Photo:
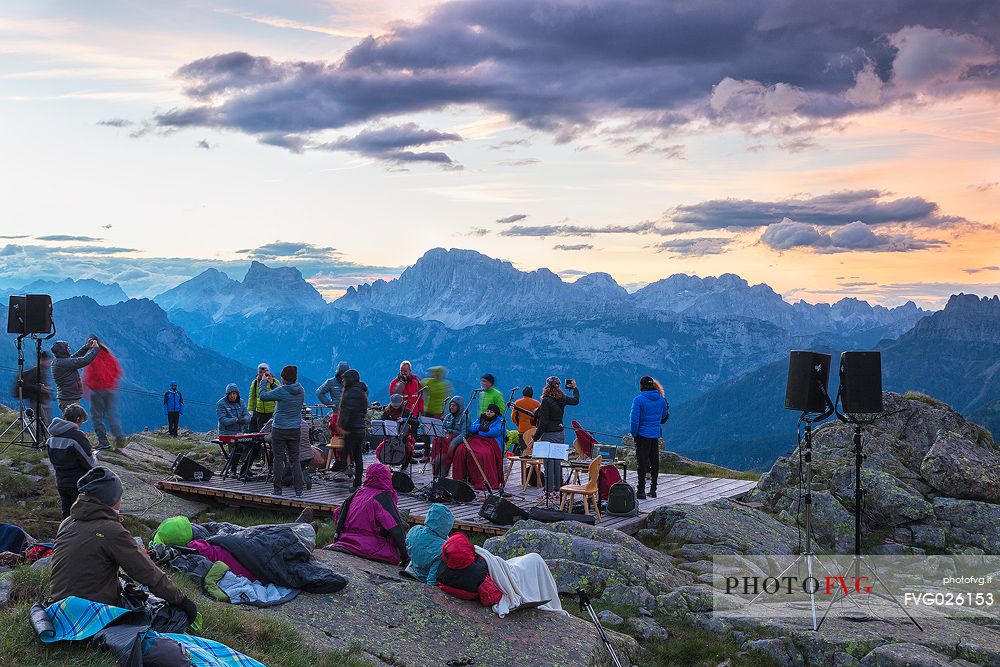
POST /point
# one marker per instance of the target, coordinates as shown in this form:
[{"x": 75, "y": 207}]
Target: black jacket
[
  {"x": 32, "y": 388},
  {"x": 70, "y": 453},
  {"x": 353, "y": 403},
  {"x": 550, "y": 412}
]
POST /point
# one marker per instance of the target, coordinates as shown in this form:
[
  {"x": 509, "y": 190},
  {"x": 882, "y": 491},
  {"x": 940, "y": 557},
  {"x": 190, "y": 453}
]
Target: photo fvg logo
[{"x": 791, "y": 585}]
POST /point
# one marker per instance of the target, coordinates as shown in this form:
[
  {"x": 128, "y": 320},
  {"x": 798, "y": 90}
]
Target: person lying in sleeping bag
[{"x": 464, "y": 574}]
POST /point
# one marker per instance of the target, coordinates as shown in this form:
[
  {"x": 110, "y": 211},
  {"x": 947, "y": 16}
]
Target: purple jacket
[{"x": 368, "y": 523}]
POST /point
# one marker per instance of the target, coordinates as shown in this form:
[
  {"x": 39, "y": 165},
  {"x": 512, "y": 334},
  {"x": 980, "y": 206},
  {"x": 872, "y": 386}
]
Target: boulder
[
  {"x": 729, "y": 528},
  {"x": 961, "y": 468},
  {"x": 647, "y": 629},
  {"x": 970, "y": 523},
  {"x": 592, "y": 558},
  {"x": 420, "y": 626},
  {"x": 609, "y": 618},
  {"x": 904, "y": 655},
  {"x": 779, "y": 649}
]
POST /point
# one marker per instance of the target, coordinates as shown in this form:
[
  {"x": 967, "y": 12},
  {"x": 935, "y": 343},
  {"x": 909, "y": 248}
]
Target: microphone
[
  {"x": 515, "y": 389},
  {"x": 477, "y": 391}
]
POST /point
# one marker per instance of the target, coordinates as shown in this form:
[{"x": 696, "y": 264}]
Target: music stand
[{"x": 550, "y": 451}]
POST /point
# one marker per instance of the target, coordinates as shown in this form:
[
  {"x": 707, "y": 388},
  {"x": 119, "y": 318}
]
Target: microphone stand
[{"x": 503, "y": 436}]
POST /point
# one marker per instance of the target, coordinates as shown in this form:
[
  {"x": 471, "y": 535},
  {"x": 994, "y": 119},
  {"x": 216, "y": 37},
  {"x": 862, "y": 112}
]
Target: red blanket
[{"x": 487, "y": 453}]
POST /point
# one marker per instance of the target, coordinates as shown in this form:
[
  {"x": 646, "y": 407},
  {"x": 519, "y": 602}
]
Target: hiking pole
[{"x": 586, "y": 606}]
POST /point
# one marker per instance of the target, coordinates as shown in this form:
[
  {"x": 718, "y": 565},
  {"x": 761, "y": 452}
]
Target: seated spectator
[
  {"x": 232, "y": 414},
  {"x": 483, "y": 443},
  {"x": 424, "y": 543},
  {"x": 368, "y": 523},
  {"x": 70, "y": 453},
  {"x": 92, "y": 545},
  {"x": 455, "y": 424},
  {"x": 464, "y": 574}
]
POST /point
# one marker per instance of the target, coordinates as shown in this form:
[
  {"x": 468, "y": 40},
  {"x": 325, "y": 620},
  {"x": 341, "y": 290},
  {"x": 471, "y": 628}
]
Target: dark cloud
[
  {"x": 477, "y": 231},
  {"x": 525, "y": 162},
  {"x": 204, "y": 144},
  {"x": 697, "y": 247},
  {"x": 16, "y": 236},
  {"x": 115, "y": 122},
  {"x": 290, "y": 250},
  {"x": 563, "y": 67},
  {"x": 577, "y": 230},
  {"x": 517, "y": 217},
  {"x": 982, "y": 269},
  {"x": 572, "y": 273},
  {"x": 857, "y": 284},
  {"x": 388, "y": 144},
  {"x": 789, "y": 234},
  {"x": 840, "y": 208},
  {"x": 94, "y": 250},
  {"x": 67, "y": 237},
  {"x": 986, "y": 187},
  {"x": 574, "y": 246}
]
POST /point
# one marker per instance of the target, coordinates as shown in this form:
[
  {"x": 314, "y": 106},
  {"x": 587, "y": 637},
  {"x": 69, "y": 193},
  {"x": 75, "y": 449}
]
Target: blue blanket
[{"x": 76, "y": 619}]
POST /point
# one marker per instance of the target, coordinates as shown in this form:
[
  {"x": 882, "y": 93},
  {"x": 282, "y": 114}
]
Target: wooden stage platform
[{"x": 330, "y": 489}]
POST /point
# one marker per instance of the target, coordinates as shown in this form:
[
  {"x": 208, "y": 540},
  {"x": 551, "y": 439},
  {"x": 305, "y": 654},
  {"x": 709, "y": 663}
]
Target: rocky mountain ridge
[{"x": 106, "y": 294}]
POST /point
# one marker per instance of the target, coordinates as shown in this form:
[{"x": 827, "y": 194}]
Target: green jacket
[
  {"x": 254, "y": 404},
  {"x": 438, "y": 391},
  {"x": 489, "y": 397}
]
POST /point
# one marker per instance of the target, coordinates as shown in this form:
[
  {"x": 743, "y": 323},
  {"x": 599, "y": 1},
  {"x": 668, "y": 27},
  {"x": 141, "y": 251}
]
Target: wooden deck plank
[{"x": 327, "y": 494}]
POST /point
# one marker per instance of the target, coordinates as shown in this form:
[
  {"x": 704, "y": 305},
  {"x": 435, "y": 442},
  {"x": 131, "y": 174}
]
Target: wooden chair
[
  {"x": 336, "y": 442},
  {"x": 528, "y": 463},
  {"x": 590, "y": 491}
]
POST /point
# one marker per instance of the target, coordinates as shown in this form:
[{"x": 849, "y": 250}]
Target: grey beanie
[
  {"x": 343, "y": 367},
  {"x": 101, "y": 484}
]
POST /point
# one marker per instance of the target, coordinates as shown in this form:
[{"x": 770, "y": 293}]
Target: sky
[{"x": 829, "y": 149}]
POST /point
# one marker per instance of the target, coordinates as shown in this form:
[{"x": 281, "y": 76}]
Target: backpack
[
  {"x": 621, "y": 500},
  {"x": 607, "y": 477}
]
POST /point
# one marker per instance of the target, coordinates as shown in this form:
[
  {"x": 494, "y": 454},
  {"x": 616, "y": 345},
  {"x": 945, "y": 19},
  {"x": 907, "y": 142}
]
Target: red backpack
[{"x": 607, "y": 477}]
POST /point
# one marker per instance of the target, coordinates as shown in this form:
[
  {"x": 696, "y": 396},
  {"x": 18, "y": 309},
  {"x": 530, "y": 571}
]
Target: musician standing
[
  {"x": 352, "y": 420},
  {"x": 526, "y": 405}
]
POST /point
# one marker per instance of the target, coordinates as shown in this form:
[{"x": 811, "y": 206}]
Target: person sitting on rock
[
  {"x": 92, "y": 545},
  {"x": 425, "y": 542},
  {"x": 368, "y": 523},
  {"x": 464, "y": 574}
]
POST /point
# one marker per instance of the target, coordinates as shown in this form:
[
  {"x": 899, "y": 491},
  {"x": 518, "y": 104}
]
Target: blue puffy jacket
[
  {"x": 493, "y": 430},
  {"x": 173, "y": 400},
  {"x": 289, "y": 399},
  {"x": 649, "y": 410},
  {"x": 424, "y": 543}
]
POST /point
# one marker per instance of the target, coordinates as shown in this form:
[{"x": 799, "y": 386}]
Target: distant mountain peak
[{"x": 105, "y": 294}]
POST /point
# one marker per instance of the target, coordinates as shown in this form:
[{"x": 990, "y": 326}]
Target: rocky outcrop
[
  {"x": 602, "y": 561},
  {"x": 401, "y": 622},
  {"x": 932, "y": 480},
  {"x": 723, "y": 528}
]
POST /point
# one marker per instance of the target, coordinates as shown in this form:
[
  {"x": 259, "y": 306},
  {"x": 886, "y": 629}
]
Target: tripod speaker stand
[{"x": 29, "y": 422}]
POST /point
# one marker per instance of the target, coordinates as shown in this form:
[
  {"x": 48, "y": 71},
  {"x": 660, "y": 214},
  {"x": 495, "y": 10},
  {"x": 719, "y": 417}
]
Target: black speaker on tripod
[
  {"x": 29, "y": 314},
  {"x": 808, "y": 376},
  {"x": 861, "y": 382}
]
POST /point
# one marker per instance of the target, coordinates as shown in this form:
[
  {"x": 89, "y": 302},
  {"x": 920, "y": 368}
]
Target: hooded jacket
[
  {"x": 409, "y": 389},
  {"x": 438, "y": 390},
  {"x": 233, "y": 416},
  {"x": 424, "y": 543},
  {"x": 456, "y": 424},
  {"x": 354, "y": 403},
  {"x": 173, "y": 400},
  {"x": 288, "y": 399},
  {"x": 34, "y": 380},
  {"x": 66, "y": 369},
  {"x": 254, "y": 402},
  {"x": 103, "y": 373},
  {"x": 329, "y": 392},
  {"x": 70, "y": 453},
  {"x": 464, "y": 574},
  {"x": 91, "y": 546},
  {"x": 649, "y": 410},
  {"x": 368, "y": 523}
]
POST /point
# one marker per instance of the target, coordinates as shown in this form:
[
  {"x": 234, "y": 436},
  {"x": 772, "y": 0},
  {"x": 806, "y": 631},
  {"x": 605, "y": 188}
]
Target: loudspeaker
[
  {"x": 808, "y": 376},
  {"x": 190, "y": 471},
  {"x": 501, "y": 511},
  {"x": 401, "y": 482},
  {"x": 552, "y": 516},
  {"x": 30, "y": 313},
  {"x": 861, "y": 382}
]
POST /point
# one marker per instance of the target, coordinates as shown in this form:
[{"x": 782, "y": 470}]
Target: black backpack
[{"x": 621, "y": 500}]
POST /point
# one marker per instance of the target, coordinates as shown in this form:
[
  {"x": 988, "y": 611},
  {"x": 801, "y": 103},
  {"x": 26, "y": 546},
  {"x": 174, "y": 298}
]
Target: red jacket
[
  {"x": 103, "y": 373},
  {"x": 413, "y": 400},
  {"x": 464, "y": 574}
]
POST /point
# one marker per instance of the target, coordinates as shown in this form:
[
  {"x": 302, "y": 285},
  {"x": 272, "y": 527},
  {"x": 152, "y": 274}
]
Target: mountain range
[
  {"x": 106, "y": 294},
  {"x": 719, "y": 344}
]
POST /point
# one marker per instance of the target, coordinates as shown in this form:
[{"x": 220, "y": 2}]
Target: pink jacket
[
  {"x": 216, "y": 554},
  {"x": 368, "y": 523}
]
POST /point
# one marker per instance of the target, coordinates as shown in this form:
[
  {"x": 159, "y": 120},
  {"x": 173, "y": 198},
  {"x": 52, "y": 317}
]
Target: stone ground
[{"x": 401, "y": 622}]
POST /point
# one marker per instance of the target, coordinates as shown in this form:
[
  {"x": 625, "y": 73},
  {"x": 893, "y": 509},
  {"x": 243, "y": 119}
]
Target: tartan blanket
[{"x": 76, "y": 619}]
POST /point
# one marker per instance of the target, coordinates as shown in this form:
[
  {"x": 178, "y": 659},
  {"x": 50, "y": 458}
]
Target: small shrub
[
  {"x": 16, "y": 485},
  {"x": 923, "y": 398}
]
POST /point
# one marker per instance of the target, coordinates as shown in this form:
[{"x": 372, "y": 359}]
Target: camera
[{"x": 570, "y": 383}]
